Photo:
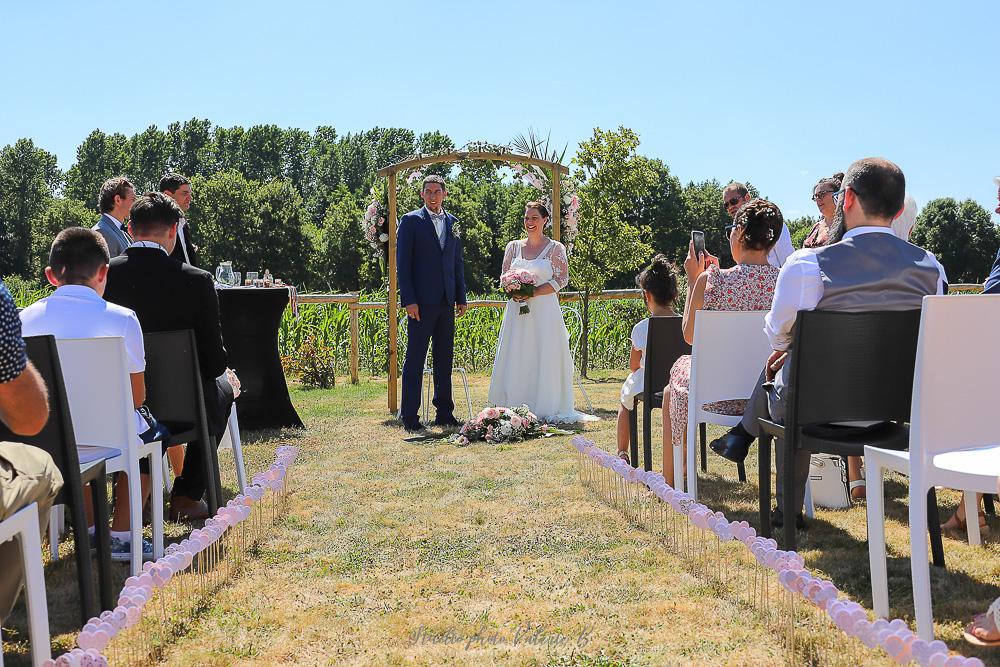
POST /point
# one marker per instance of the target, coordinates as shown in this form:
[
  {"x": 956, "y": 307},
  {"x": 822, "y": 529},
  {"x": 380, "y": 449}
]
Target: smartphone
[{"x": 698, "y": 238}]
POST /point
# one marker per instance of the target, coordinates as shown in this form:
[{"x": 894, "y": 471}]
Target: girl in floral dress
[{"x": 747, "y": 286}]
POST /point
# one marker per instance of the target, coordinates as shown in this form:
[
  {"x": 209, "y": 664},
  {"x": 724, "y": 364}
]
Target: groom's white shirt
[{"x": 438, "y": 221}]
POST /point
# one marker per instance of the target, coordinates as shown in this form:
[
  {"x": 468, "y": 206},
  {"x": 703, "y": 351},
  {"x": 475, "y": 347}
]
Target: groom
[{"x": 431, "y": 276}]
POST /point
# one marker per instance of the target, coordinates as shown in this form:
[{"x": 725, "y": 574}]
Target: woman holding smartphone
[{"x": 747, "y": 286}]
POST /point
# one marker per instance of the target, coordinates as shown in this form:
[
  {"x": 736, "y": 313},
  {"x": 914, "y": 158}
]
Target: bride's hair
[
  {"x": 660, "y": 280},
  {"x": 538, "y": 206}
]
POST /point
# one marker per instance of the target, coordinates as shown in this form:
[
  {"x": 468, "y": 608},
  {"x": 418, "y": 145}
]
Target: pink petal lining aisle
[
  {"x": 169, "y": 592},
  {"x": 753, "y": 571}
]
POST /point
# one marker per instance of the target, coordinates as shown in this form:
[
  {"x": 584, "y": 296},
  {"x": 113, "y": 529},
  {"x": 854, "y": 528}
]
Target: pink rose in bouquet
[{"x": 518, "y": 282}]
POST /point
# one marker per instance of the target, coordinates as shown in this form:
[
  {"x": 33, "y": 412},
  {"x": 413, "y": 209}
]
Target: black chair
[
  {"x": 59, "y": 441},
  {"x": 843, "y": 367},
  {"x": 664, "y": 344},
  {"x": 175, "y": 395}
]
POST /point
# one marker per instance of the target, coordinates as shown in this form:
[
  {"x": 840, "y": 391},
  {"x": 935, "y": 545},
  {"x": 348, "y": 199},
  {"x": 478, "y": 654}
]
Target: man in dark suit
[
  {"x": 178, "y": 188},
  {"x": 992, "y": 284},
  {"x": 167, "y": 295},
  {"x": 431, "y": 276}
]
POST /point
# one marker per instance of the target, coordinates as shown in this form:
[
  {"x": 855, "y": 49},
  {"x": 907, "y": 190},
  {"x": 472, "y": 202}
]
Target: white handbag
[{"x": 828, "y": 481}]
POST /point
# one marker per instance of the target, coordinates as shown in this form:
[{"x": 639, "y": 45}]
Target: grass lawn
[{"x": 398, "y": 552}]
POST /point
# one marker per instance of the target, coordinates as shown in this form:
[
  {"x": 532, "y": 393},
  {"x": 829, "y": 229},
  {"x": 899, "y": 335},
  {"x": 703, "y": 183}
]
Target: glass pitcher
[{"x": 224, "y": 273}]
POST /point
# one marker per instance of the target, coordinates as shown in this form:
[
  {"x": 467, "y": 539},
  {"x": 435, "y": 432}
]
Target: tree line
[{"x": 291, "y": 201}]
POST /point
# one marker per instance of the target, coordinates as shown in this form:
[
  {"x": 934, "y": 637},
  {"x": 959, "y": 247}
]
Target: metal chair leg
[
  {"x": 703, "y": 433},
  {"x": 586, "y": 397},
  {"x": 465, "y": 383},
  {"x": 764, "y": 480}
]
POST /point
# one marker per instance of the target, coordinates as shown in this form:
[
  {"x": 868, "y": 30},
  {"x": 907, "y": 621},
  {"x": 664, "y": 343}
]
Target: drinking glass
[
  {"x": 252, "y": 278},
  {"x": 238, "y": 278}
]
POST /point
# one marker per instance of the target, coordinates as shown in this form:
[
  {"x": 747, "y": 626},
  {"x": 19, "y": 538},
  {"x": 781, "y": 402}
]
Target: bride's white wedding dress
[{"x": 533, "y": 365}]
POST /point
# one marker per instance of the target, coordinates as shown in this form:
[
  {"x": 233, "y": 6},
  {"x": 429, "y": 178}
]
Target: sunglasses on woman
[{"x": 819, "y": 195}]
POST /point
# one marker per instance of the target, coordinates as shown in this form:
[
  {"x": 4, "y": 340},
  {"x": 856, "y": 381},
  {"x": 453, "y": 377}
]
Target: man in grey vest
[
  {"x": 115, "y": 201},
  {"x": 870, "y": 269}
]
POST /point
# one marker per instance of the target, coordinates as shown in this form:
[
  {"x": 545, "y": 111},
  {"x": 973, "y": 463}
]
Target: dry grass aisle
[
  {"x": 398, "y": 553},
  {"x": 419, "y": 553}
]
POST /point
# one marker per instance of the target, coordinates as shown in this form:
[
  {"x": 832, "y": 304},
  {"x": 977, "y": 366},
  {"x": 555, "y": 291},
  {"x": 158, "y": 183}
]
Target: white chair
[
  {"x": 954, "y": 439},
  {"x": 230, "y": 440},
  {"x": 575, "y": 333},
  {"x": 23, "y": 526},
  {"x": 429, "y": 381},
  {"x": 99, "y": 392},
  {"x": 728, "y": 354}
]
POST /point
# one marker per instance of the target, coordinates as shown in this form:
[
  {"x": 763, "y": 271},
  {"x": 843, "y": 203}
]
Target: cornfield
[{"x": 476, "y": 334}]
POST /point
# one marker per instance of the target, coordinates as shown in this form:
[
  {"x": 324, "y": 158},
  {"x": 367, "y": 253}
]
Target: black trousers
[{"x": 219, "y": 398}]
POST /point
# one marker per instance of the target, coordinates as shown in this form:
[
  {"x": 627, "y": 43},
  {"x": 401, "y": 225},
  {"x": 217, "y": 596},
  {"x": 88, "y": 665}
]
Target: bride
[{"x": 533, "y": 365}]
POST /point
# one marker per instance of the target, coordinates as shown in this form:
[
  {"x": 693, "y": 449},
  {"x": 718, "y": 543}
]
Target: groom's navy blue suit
[{"x": 433, "y": 278}]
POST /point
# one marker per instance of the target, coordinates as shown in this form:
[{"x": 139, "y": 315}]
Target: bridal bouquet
[{"x": 518, "y": 282}]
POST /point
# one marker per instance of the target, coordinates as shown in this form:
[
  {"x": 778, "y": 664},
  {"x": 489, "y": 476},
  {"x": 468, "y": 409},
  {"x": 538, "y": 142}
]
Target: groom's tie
[{"x": 444, "y": 227}]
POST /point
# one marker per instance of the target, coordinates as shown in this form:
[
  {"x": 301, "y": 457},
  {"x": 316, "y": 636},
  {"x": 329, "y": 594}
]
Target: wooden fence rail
[{"x": 354, "y": 304}]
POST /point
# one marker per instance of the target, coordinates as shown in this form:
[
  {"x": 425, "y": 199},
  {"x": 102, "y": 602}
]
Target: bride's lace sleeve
[
  {"x": 508, "y": 257},
  {"x": 560, "y": 266}
]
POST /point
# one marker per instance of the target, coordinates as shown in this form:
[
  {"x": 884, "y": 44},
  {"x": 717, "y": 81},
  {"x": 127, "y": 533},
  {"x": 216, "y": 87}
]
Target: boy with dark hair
[
  {"x": 78, "y": 268},
  {"x": 114, "y": 201}
]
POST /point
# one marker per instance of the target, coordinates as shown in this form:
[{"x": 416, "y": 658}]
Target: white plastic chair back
[
  {"x": 954, "y": 384},
  {"x": 23, "y": 524},
  {"x": 98, "y": 390},
  {"x": 728, "y": 354}
]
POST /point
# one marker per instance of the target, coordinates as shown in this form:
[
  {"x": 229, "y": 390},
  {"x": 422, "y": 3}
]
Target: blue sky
[{"x": 779, "y": 93}]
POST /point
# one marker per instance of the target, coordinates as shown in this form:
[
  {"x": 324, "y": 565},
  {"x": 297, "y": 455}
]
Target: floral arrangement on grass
[
  {"x": 518, "y": 282},
  {"x": 497, "y": 425}
]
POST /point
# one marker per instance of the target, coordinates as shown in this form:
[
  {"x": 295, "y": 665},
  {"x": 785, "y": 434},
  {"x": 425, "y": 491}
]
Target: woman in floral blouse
[{"x": 747, "y": 286}]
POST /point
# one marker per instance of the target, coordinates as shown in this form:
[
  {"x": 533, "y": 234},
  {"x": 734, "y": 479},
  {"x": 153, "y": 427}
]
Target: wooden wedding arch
[{"x": 556, "y": 171}]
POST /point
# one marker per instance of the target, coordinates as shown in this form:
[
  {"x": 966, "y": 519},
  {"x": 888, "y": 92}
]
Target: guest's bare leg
[
  {"x": 957, "y": 520},
  {"x": 854, "y": 474},
  {"x": 175, "y": 455},
  {"x": 623, "y": 429},
  {"x": 668, "y": 440},
  {"x": 120, "y": 521}
]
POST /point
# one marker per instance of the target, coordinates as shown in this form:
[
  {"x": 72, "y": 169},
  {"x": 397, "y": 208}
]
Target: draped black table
[{"x": 250, "y": 320}]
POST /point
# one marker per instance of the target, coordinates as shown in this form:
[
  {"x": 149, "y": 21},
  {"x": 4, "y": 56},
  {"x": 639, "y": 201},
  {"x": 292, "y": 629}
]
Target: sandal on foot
[
  {"x": 623, "y": 455},
  {"x": 959, "y": 525},
  {"x": 856, "y": 485},
  {"x": 982, "y": 622}
]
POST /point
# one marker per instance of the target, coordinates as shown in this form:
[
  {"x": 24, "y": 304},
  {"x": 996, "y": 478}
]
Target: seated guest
[
  {"x": 27, "y": 474},
  {"x": 659, "y": 289},
  {"x": 78, "y": 268},
  {"x": 747, "y": 286},
  {"x": 903, "y": 225},
  {"x": 115, "y": 200},
  {"x": 168, "y": 295},
  {"x": 178, "y": 188},
  {"x": 869, "y": 270},
  {"x": 734, "y": 197},
  {"x": 819, "y": 235}
]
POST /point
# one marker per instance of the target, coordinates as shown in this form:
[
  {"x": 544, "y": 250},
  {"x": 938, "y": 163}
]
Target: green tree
[
  {"x": 224, "y": 215},
  {"x": 961, "y": 235},
  {"x": 340, "y": 252},
  {"x": 326, "y": 172},
  {"x": 29, "y": 178},
  {"x": 150, "y": 154},
  {"x": 261, "y": 152},
  {"x": 61, "y": 213},
  {"x": 703, "y": 211},
  {"x": 799, "y": 228},
  {"x": 191, "y": 147},
  {"x": 612, "y": 177},
  {"x": 664, "y": 215},
  {"x": 100, "y": 157},
  {"x": 281, "y": 243}
]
